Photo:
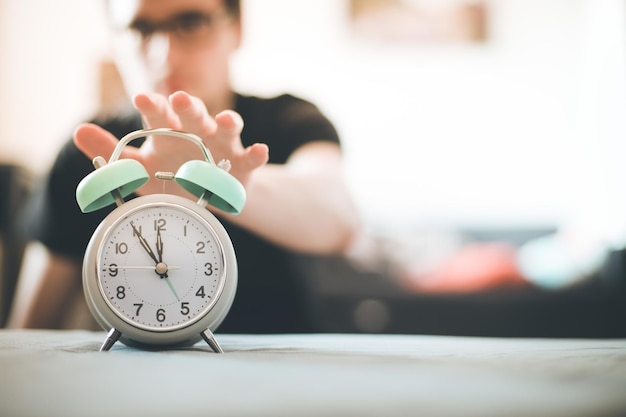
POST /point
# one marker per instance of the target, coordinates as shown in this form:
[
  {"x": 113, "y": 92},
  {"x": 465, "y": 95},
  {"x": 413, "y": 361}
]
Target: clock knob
[{"x": 98, "y": 188}]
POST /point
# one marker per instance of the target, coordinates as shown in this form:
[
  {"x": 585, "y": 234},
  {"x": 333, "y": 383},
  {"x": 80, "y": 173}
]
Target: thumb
[{"x": 92, "y": 140}]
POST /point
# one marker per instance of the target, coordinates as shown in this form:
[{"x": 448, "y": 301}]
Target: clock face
[{"x": 160, "y": 266}]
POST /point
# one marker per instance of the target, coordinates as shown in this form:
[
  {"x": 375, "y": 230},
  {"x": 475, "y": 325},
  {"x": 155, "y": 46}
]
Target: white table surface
[{"x": 60, "y": 373}]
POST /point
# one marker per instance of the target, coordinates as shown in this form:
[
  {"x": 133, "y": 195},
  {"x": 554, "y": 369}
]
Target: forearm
[
  {"x": 302, "y": 211},
  {"x": 46, "y": 285}
]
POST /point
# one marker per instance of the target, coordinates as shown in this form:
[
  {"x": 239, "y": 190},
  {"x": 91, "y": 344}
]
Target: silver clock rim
[{"x": 189, "y": 332}]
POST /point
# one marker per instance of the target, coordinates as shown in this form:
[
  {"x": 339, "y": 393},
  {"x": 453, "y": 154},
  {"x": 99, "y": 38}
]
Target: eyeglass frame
[{"x": 180, "y": 26}]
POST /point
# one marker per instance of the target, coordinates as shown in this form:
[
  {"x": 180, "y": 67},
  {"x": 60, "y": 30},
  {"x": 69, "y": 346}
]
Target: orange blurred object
[{"x": 474, "y": 267}]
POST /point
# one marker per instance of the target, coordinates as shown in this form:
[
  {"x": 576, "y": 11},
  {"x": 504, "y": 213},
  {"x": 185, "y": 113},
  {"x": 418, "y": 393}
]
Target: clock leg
[
  {"x": 112, "y": 337},
  {"x": 208, "y": 337}
]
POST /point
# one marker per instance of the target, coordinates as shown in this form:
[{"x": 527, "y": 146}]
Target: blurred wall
[
  {"x": 518, "y": 130},
  {"x": 48, "y": 58},
  {"x": 514, "y": 131}
]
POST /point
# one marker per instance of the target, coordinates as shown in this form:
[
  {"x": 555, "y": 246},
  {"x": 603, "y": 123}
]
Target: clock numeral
[
  {"x": 159, "y": 224},
  {"x": 138, "y": 308},
  {"x": 184, "y": 308},
  {"x": 113, "y": 271},
  {"x": 160, "y": 315},
  {"x": 137, "y": 231},
  {"x": 209, "y": 269},
  {"x": 200, "y": 293},
  {"x": 121, "y": 247},
  {"x": 121, "y": 292},
  {"x": 201, "y": 245}
]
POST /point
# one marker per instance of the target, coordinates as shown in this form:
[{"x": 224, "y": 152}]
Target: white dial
[{"x": 160, "y": 266}]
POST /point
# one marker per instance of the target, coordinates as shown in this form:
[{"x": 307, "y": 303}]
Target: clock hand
[
  {"x": 161, "y": 268},
  {"x": 169, "y": 283},
  {"x": 159, "y": 245},
  {"x": 146, "y": 267},
  {"x": 144, "y": 243}
]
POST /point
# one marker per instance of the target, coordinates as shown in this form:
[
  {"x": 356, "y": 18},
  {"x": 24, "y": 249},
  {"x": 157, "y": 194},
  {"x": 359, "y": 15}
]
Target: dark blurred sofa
[{"x": 347, "y": 299}]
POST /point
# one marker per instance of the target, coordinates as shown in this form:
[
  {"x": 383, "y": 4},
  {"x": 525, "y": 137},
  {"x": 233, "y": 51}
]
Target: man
[{"x": 296, "y": 200}]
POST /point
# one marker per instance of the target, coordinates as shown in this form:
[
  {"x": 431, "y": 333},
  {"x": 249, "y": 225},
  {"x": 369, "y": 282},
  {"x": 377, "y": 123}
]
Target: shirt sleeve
[{"x": 285, "y": 123}]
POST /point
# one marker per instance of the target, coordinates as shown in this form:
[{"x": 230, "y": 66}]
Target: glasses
[{"x": 187, "y": 26}]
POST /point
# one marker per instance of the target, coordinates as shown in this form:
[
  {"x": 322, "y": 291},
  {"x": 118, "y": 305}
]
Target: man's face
[{"x": 176, "y": 45}]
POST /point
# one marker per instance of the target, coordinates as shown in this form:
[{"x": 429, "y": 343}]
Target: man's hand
[{"x": 181, "y": 111}]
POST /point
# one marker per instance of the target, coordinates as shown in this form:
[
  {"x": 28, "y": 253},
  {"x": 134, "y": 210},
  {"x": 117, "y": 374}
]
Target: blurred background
[
  {"x": 488, "y": 115},
  {"x": 522, "y": 122}
]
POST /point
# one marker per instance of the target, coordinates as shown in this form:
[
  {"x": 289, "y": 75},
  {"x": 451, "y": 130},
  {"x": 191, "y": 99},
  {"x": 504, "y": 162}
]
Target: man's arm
[
  {"x": 303, "y": 205},
  {"x": 46, "y": 289}
]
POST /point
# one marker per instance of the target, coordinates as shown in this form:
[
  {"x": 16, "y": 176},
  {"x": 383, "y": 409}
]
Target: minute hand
[
  {"x": 144, "y": 243},
  {"x": 159, "y": 245}
]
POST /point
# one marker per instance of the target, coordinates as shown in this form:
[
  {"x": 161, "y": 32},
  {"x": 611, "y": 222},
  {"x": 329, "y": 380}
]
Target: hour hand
[{"x": 144, "y": 243}]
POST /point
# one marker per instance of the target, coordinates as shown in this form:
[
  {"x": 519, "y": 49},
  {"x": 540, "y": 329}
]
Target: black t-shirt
[{"x": 270, "y": 296}]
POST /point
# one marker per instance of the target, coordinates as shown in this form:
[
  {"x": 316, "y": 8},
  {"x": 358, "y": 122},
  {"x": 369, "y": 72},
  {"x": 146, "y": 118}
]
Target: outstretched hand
[{"x": 180, "y": 111}]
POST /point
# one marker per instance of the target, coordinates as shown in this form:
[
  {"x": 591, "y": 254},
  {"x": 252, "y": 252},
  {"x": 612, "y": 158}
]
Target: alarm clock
[{"x": 160, "y": 270}]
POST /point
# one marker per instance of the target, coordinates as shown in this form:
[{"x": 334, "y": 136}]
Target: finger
[
  {"x": 229, "y": 126},
  {"x": 257, "y": 155},
  {"x": 193, "y": 114},
  {"x": 92, "y": 140},
  {"x": 156, "y": 111}
]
